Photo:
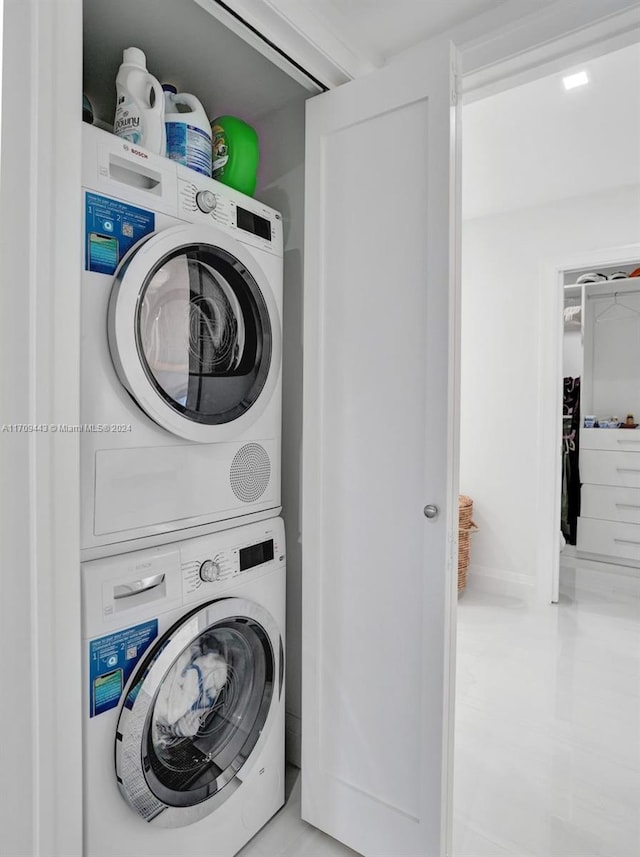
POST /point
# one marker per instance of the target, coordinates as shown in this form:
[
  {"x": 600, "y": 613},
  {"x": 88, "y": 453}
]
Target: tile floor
[
  {"x": 287, "y": 835},
  {"x": 548, "y": 723},
  {"x": 547, "y": 731}
]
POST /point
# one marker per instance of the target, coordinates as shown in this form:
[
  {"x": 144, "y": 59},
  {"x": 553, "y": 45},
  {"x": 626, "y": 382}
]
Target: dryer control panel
[{"x": 247, "y": 219}]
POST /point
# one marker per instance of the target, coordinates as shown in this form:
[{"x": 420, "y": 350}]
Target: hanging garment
[{"x": 570, "y": 504}]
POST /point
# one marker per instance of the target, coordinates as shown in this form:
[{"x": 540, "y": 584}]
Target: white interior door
[{"x": 380, "y": 444}]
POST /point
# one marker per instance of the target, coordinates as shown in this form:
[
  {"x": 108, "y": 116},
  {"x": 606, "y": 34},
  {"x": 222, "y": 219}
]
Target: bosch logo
[{"x": 139, "y": 153}]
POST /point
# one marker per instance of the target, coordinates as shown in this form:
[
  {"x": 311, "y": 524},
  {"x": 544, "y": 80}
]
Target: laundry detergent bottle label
[
  {"x": 187, "y": 130},
  {"x": 220, "y": 153},
  {"x": 189, "y": 146},
  {"x": 127, "y": 120}
]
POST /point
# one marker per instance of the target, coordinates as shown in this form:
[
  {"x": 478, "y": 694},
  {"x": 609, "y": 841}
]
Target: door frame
[
  {"x": 41, "y": 487},
  {"x": 550, "y": 412},
  {"x": 40, "y": 210}
]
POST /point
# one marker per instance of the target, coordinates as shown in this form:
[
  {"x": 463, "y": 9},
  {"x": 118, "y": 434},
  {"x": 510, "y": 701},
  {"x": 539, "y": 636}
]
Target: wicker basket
[{"x": 465, "y": 528}]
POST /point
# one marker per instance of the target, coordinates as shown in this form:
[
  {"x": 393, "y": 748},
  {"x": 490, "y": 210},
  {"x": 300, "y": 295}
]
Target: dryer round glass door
[
  {"x": 194, "y": 332},
  {"x": 197, "y": 710}
]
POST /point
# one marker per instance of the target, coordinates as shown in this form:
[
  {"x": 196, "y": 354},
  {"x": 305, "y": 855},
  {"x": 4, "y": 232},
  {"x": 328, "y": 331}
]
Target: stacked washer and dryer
[{"x": 183, "y": 551}]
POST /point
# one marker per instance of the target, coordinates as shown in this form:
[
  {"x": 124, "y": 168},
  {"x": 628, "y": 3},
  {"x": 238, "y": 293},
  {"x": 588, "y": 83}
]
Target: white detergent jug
[
  {"x": 139, "y": 104},
  {"x": 188, "y": 130}
]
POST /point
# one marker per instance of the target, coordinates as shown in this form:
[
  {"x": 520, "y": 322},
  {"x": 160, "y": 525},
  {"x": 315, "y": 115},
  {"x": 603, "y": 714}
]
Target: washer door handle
[{"x": 134, "y": 587}]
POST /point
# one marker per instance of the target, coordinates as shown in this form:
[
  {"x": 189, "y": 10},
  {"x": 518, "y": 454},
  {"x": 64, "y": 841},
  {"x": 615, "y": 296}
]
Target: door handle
[
  {"x": 281, "y": 668},
  {"x": 431, "y": 511}
]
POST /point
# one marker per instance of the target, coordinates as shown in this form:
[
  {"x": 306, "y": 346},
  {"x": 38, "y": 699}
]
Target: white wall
[
  {"x": 282, "y": 186},
  {"x": 537, "y": 143},
  {"x": 572, "y": 354},
  {"x": 502, "y": 257}
]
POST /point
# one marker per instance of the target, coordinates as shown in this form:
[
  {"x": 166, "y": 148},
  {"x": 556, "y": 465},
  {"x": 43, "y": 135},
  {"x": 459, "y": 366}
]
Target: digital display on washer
[
  {"x": 251, "y": 222},
  {"x": 256, "y": 555}
]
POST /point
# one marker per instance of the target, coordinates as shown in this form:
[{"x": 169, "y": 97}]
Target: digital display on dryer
[
  {"x": 253, "y": 223},
  {"x": 256, "y": 555}
]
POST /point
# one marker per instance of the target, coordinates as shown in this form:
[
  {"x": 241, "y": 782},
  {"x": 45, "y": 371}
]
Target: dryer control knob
[
  {"x": 209, "y": 570},
  {"x": 206, "y": 201}
]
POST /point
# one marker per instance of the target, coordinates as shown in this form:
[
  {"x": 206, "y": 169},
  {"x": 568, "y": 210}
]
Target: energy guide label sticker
[
  {"x": 111, "y": 228},
  {"x": 112, "y": 660}
]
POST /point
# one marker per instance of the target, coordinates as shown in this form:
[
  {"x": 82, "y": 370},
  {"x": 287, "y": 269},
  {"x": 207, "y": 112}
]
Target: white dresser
[{"x": 609, "y": 522}]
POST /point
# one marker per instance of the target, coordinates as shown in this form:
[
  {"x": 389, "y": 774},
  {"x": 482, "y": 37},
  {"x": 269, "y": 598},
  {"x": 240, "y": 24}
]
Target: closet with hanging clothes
[
  {"x": 572, "y": 370},
  {"x": 570, "y": 507}
]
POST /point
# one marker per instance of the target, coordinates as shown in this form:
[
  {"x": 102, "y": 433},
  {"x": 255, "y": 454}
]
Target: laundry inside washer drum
[{"x": 208, "y": 713}]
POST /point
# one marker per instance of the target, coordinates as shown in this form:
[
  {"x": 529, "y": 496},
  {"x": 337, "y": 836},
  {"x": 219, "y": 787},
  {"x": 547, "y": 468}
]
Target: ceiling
[
  {"x": 380, "y": 29},
  {"x": 528, "y": 145},
  {"x": 537, "y": 143}
]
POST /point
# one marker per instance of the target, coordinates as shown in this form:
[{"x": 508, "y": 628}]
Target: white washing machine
[
  {"x": 184, "y": 700},
  {"x": 181, "y": 350}
]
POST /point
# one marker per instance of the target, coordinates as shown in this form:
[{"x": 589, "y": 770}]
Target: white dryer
[
  {"x": 183, "y": 734},
  {"x": 181, "y": 349}
]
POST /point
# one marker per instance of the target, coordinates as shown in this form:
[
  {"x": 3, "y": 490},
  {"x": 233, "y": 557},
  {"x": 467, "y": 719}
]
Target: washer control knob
[
  {"x": 206, "y": 201},
  {"x": 209, "y": 571}
]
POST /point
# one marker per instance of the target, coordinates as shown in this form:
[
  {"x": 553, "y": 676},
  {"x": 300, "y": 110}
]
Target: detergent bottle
[
  {"x": 187, "y": 129},
  {"x": 139, "y": 104},
  {"x": 235, "y": 153}
]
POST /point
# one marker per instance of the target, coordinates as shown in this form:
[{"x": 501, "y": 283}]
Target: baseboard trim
[
  {"x": 293, "y": 739},
  {"x": 498, "y": 581}
]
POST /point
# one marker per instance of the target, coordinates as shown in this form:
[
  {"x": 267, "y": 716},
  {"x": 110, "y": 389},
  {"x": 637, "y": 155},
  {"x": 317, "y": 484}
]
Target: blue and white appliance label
[
  {"x": 111, "y": 228},
  {"x": 112, "y": 660}
]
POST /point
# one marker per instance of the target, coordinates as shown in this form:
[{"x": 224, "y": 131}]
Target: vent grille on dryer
[{"x": 250, "y": 472}]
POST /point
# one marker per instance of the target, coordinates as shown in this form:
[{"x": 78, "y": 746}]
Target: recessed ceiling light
[{"x": 573, "y": 80}]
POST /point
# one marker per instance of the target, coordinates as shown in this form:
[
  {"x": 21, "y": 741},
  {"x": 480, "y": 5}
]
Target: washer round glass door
[
  {"x": 194, "y": 332},
  {"x": 196, "y": 710}
]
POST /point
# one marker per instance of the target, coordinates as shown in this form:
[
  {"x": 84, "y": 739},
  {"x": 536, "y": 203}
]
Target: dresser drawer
[
  {"x": 623, "y": 440},
  {"x": 599, "y": 467},
  {"x": 609, "y": 538},
  {"x": 610, "y": 503}
]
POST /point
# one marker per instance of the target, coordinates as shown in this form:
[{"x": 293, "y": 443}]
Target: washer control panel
[{"x": 207, "y": 569}]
